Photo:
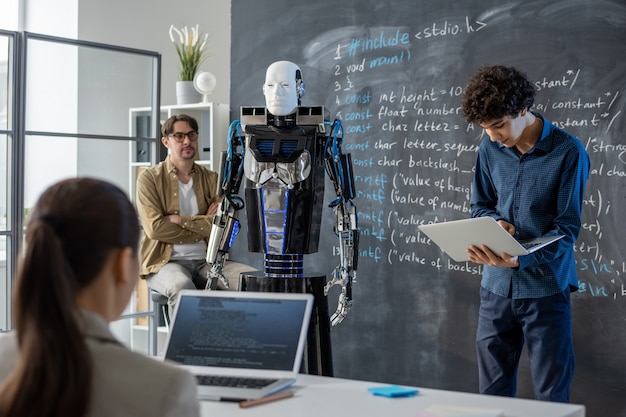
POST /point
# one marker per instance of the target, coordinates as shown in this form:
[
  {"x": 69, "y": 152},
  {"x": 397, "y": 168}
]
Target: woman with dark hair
[{"x": 77, "y": 271}]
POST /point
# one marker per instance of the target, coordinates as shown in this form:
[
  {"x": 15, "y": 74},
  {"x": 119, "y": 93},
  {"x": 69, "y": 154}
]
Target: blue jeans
[{"x": 545, "y": 325}]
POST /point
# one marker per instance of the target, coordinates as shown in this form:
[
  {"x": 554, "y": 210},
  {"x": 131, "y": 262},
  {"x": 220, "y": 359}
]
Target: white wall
[
  {"x": 9, "y": 16},
  {"x": 51, "y": 17},
  {"x": 144, "y": 24}
]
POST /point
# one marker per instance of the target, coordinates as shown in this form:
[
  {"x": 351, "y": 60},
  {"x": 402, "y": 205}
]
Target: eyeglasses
[{"x": 180, "y": 137}]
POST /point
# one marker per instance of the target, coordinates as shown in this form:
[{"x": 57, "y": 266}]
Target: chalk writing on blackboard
[{"x": 412, "y": 164}]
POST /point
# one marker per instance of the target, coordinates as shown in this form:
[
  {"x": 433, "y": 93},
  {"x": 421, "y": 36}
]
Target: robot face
[{"x": 281, "y": 89}]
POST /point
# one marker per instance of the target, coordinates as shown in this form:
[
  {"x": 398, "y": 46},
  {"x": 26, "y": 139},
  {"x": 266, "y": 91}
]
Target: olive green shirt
[{"x": 157, "y": 197}]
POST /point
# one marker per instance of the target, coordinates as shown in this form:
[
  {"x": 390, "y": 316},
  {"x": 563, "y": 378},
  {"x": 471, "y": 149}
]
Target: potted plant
[{"x": 191, "y": 49}]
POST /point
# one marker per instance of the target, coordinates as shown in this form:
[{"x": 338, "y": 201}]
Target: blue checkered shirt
[{"x": 541, "y": 193}]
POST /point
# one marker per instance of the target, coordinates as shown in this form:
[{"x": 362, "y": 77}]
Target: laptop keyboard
[{"x": 239, "y": 382}]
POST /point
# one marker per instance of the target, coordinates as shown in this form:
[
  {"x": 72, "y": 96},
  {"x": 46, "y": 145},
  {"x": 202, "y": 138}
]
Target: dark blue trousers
[{"x": 545, "y": 325}]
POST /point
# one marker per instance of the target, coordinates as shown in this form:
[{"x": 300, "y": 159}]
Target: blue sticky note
[{"x": 393, "y": 391}]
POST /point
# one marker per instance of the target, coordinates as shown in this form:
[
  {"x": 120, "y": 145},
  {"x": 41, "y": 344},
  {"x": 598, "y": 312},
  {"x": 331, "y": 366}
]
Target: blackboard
[{"x": 394, "y": 72}]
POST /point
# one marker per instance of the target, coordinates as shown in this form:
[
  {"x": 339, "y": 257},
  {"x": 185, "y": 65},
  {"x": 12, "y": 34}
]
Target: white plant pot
[{"x": 186, "y": 93}]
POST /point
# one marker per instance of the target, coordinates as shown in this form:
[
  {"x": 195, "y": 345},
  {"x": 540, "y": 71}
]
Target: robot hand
[
  {"x": 345, "y": 298},
  {"x": 345, "y": 273},
  {"x": 225, "y": 224},
  {"x": 215, "y": 276}
]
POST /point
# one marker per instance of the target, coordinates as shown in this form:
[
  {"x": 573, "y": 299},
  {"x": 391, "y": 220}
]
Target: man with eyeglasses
[{"x": 177, "y": 201}]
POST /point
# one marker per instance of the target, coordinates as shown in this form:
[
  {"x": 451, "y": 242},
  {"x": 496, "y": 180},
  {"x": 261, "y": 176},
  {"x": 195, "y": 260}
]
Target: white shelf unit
[{"x": 213, "y": 122}]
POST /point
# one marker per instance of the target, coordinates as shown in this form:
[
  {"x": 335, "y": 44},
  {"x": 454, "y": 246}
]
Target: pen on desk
[{"x": 264, "y": 400}]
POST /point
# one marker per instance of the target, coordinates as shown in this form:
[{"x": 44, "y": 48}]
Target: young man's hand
[{"x": 485, "y": 256}]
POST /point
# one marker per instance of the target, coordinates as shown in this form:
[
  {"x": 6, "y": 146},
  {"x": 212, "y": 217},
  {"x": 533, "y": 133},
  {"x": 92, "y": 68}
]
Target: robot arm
[
  {"x": 225, "y": 224},
  {"x": 339, "y": 169}
]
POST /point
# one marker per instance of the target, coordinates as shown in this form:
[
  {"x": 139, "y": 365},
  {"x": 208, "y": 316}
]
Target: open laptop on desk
[
  {"x": 250, "y": 337},
  {"x": 454, "y": 237}
]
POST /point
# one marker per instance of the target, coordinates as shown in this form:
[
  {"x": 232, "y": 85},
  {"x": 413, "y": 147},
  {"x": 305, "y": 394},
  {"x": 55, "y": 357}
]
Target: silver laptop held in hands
[
  {"x": 454, "y": 237},
  {"x": 239, "y": 345}
]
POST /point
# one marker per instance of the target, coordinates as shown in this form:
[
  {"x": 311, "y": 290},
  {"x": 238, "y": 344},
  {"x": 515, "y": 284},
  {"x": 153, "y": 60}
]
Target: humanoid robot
[{"x": 288, "y": 150}]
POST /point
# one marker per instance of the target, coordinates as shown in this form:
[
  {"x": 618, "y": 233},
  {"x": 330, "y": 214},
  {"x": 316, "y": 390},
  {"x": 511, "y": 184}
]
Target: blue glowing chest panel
[{"x": 284, "y": 171}]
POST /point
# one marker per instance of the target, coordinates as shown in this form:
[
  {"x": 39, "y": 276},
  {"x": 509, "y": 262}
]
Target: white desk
[{"x": 318, "y": 396}]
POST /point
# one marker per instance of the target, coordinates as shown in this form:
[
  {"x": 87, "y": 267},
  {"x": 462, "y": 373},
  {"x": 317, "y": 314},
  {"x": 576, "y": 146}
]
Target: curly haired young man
[{"x": 530, "y": 176}]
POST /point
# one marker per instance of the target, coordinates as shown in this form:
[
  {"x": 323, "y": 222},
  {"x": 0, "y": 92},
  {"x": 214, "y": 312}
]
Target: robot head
[{"x": 283, "y": 88}]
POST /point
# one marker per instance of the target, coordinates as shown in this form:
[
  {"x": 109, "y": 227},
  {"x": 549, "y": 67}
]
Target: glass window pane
[
  {"x": 4, "y": 283},
  {"x": 4, "y": 182},
  {"x": 89, "y": 92},
  {"x": 4, "y": 81},
  {"x": 50, "y": 159},
  {"x": 6, "y": 100}
]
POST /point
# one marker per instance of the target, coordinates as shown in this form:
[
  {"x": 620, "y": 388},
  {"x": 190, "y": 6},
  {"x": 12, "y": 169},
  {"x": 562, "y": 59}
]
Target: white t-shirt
[{"x": 188, "y": 207}]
